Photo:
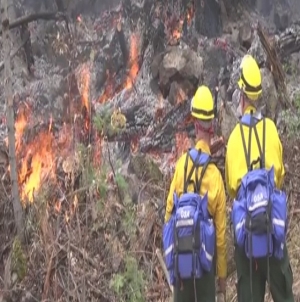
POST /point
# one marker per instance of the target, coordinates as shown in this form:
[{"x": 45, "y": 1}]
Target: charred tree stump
[{"x": 7, "y": 9}]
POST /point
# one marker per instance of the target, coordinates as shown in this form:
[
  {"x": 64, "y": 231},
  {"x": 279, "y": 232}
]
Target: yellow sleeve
[
  {"x": 281, "y": 171},
  {"x": 276, "y": 153},
  {"x": 228, "y": 170},
  {"x": 169, "y": 206},
  {"x": 220, "y": 222}
]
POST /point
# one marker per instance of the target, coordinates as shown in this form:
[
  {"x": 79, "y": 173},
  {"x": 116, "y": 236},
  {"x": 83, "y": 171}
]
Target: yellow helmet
[
  {"x": 202, "y": 105},
  {"x": 250, "y": 80}
]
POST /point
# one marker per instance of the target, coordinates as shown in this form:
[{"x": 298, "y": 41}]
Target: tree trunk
[{"x": 18, "y": 212}]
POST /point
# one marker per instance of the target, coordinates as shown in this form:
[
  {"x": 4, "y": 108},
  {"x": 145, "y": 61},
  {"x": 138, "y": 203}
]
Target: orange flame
[
  {"x": 176, "y": 34},
  {"x": 134, "y": 66},
  {"x": 85, "y": 77},
  {"x": 41, "y": 155},
  {"x": 85, "y": 89},
  {"x": 134, "y": 145},
  {"x": 20, "y": 126},
  {"x": 190, "y": 15},
  {"x": 38, "y": 156},
  {"x": 108, "y": 92}
]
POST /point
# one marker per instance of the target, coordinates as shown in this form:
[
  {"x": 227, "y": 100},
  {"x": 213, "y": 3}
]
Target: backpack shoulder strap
[
  {"x": 187, "y": 178},
  {"x": 261, "y": 149},
  {"x": 246, "y": 152},
  {"x": 204, "y": 167},
  {"x": 196, "y": 164}
]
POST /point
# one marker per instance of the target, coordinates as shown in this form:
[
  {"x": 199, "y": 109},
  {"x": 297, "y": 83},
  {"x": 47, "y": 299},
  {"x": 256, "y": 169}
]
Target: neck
[{"x": 205, "y": 137}]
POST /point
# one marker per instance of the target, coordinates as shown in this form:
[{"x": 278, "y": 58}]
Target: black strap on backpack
[
  {"x": 188, "y": 178},
  {"x": 197, "y": 185},
  {"x": 261, "y": 149},
  {"x": 195, "y": 167},
  {"x": 250, "y": 167}
]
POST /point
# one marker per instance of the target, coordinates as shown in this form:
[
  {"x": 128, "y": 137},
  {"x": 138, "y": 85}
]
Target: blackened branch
[{"x": 38, "y": 16}]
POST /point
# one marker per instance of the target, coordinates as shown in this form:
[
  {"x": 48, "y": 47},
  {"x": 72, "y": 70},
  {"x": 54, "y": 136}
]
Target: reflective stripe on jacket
[
  {"x": 235, "y": 164},
  {"x": 213, "y": 184}
]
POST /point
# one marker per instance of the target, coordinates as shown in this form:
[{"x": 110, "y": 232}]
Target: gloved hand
[{"x": 222, "y": 288}]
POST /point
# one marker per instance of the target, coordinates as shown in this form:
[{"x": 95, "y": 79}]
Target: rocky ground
[{"x": 102, "y": 114}]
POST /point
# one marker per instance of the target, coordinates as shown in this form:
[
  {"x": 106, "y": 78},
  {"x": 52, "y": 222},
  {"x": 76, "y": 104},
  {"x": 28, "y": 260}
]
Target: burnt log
[
  {"x": 163, "y": 134},
  {"x": 288, "y": 42},
  {"x": 141, "y": 124}
]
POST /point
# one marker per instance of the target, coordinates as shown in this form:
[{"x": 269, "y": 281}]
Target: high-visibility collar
[
  {"x": 201, "y": 144},
  {"x": 250, "y": 109}
]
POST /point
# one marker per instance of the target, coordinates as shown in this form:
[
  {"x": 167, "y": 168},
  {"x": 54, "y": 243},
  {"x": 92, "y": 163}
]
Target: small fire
[
  {"x": 134, "y": 145},
  {"x": 134, "y": 66},
  {"x": 160, "y": 110},
  {"x": 108, "y": 92},
  {"x": 20, "y": 126},
  {"x": 110, "y": 89},
  {"x": 85, "y": 77},
  {"x": 190, "y": 15},
  {"x": 39, "y": 157},
  {"x": 176, "y": 34},
  {"x": 85, "y": 89}
]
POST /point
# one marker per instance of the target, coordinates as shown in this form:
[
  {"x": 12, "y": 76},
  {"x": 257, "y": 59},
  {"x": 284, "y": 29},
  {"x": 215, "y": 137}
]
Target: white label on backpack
[
  {"x": 258, "y": 200},
  {"x": 184, "y": 214},
  {"x": 258, "y": 197}
]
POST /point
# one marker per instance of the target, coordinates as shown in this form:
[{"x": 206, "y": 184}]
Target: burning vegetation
[{"x": 40, "y": 150}]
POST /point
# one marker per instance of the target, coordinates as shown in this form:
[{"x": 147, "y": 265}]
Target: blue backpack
[
  {"x": 189, "y": 235},
  {"x": 259, "y": 213}
]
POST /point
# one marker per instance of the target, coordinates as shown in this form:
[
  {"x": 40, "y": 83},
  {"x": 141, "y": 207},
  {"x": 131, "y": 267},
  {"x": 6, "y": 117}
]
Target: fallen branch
[
  {"x": 163, "y": 265},
  {"x": 80, "y": 190},
  {"x": 275, "y": 67},
  {"x": 34, "y": 17},
  {"x": 47, "y": 278}
]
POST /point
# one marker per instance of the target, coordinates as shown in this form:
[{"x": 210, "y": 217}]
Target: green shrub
[
  {"x": 291, "y": 119},
  {"x": 129, "y": 285}
]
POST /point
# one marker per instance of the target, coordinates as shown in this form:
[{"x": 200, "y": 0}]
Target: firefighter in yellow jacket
[
  {"x": 252, "y": 287},
  {"x": 202, "y": 111}
]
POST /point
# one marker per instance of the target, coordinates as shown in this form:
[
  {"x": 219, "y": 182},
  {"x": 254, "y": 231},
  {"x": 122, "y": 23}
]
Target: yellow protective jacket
[
  {"x": 213, "y": 184},
  {"x": 235, "y": 164}
]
